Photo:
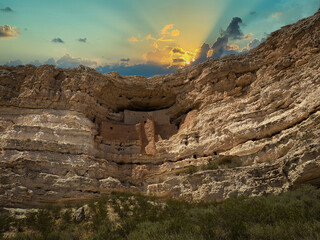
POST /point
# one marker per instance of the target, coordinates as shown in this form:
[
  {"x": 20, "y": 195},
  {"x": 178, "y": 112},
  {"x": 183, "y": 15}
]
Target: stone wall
[
  {"x": 146, "y": 132},
  {"x": 119, "y": 132},
  {"x": 134, "y": 117},
  {"x": 165, "y": 131}
]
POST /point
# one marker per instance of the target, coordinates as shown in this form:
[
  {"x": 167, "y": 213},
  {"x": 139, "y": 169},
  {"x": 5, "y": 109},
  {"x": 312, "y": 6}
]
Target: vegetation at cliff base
[{"x": 291, "y": 215}]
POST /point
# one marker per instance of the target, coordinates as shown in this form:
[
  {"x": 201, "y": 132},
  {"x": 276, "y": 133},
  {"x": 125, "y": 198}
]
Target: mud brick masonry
[{"x": 143, "y": 129}]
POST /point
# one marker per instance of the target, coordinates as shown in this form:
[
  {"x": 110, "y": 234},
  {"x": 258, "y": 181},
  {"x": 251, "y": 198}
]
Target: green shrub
[
  {"x": 61, "y": 235},
  {"x": 223, "y": 162},
  {"x": 5, "y": 222},
  {"x": 24, "y": 236},
  {"x": 210, "y": 166},
  {"x": 191, "y": 169},
  {"x": 291, "y": 215},
  {"x": 41, "y": 221}
]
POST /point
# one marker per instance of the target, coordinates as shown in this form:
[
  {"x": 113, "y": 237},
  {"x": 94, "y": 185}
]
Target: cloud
[
  {"x": 67, "y": 61},
  {"x": 57, "y": 40},
  {"x": 165, "y": 29},
  {"x": 275, "y": 15},
  {"x": 159, "y": 56},
  {"x": 233, "y": 31},
  {"x": 178, "y": 60},
  {"x": 7, "y": 9},
  {"x": 155, "y": 45},
  {"x": 178, "y": 50},
  {"x": 36, "y": 63},
  {"x": 169, "y": 56},
  {"x": 7, "y": 31},
  {"x": 162, "y": 44},
  {"x": 219, "y": 46},
  {"x": 83, "y": 40},
  {"x": 14, "y": 63},
  {"x": 222, "y": 47},
  {"x": 164, "y": 39},
  {"x": 50, "y": 61},
  {"x": 247, "y": 36},
  {"x": 202, "y": 54},
  {"x": 125, "y": 59},
  {"x": 233, "y": 47},
  {"x": 149, "y": 37},
  {"x": 175, "y": 33},
  {"x": 253, "y": 44},
  {"x": 133, "y": 39}
]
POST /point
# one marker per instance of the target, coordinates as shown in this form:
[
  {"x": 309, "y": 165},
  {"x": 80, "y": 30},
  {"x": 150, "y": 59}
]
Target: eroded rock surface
[{"x": 67, "y": 135}]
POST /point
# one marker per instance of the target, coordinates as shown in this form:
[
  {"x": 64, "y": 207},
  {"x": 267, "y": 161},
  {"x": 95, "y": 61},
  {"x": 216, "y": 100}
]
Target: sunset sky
[{"x": 142, "y": 37}]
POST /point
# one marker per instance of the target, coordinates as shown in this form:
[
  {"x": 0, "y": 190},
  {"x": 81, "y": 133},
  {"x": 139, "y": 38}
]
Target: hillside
[{"x": 246, "y": 124}]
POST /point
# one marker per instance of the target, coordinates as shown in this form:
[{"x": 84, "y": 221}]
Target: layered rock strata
[{"x": 68, "y": 135}]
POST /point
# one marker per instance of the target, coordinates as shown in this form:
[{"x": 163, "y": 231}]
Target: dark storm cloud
[
  {"x": 221, "y": 47},
  {"x": 233, "y": 31},
  {"x": 202, "y": 54},
  {"x": 178, "y": 50},
  {"x": 178, "y": 60},
  {"x": 7, "y": 9},
  {"x": 124, "y": 59},
  {"x": 83, "y": 40},
  {"x": 220, "y": 43},
  {"x": 57, "y": 40}
]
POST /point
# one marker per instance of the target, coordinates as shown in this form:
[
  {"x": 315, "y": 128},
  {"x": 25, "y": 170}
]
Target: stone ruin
[{"x": 138, "y": 133}]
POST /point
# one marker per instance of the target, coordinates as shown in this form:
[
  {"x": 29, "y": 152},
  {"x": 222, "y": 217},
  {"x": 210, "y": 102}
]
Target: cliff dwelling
[{"x": 138, "y": 132}]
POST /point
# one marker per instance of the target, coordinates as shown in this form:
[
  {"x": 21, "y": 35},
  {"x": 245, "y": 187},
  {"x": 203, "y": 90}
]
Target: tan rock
[{"x": 72, "y": 134}]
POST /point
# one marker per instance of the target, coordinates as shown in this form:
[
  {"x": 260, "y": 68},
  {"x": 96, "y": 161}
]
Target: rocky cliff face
[{"x": 249, "y": 124}]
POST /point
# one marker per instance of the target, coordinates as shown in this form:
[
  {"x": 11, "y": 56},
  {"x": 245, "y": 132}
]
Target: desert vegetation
[{"x": 291, "y": 215}]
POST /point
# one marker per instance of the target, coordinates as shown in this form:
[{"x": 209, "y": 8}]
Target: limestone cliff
[{"x": 249, "y": 123}]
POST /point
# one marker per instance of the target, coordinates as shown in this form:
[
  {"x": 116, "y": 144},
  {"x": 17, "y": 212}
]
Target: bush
[
  {"x": 223, "y": 162},
  {"x": 61, "y": 235},
  {"x": 41, "y": 221},
  {"x": 5, "y": 222},
  {"x": 191, "y": 169},
  {"x": 291, "y": 215}
]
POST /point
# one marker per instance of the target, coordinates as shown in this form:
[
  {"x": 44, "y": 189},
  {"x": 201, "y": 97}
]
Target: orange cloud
[
  {"x": 166, "y": 51},
  {"x": 165, "y": 29},
  {"x": 247, "y": 36},
  {"x": 159, "y": 56},
  {"x": 133, "y": 39},
  {"x": 175, "y": 33},
  {"x": 149, "y": 37},
  {"x": 7, "y": 31},
  {"x": 233, "y": 47},
  {"x": 180, "y": 57},
  {"x": 163, "y": 39},
  {"x": 155, "y": 44}
]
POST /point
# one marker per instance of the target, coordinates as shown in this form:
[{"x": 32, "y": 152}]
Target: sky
[{"x": 138, "y": 37}]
